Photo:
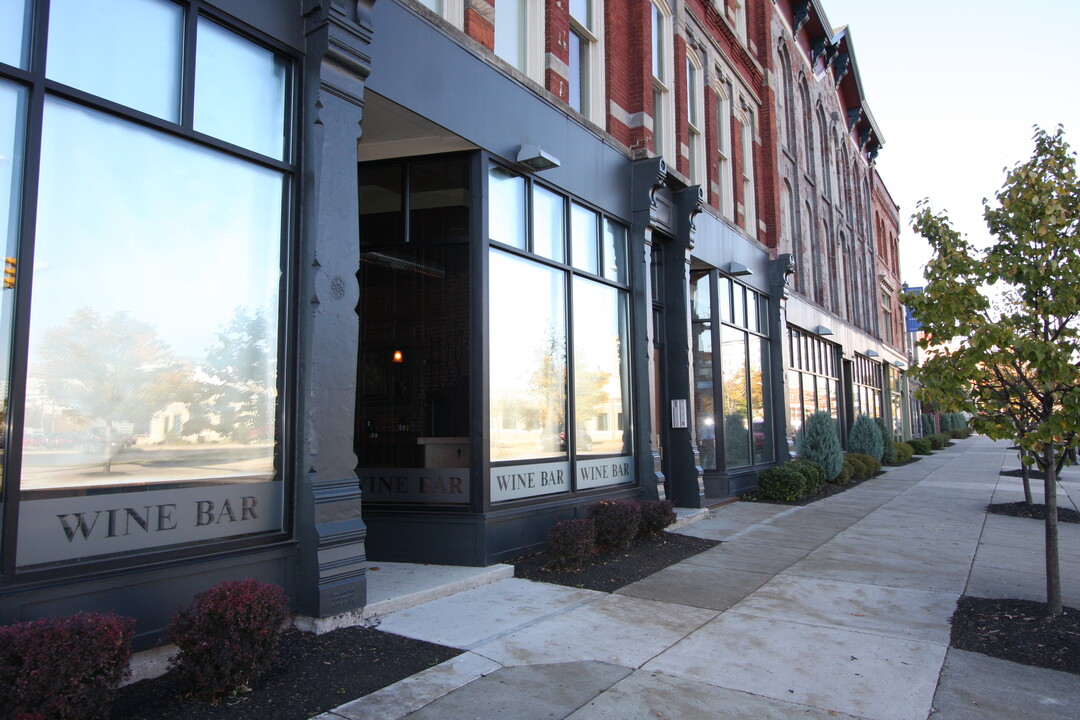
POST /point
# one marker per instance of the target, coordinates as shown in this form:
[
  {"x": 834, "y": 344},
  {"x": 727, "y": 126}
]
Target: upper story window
[
  {"x": 586, "y": 66},
  {"x": 749, "y": 204},
  {"x": 723, "y": 144},
  {"x": 738, "y": 15},
  {"x": 451, "y": 10},
  {"x": 695, "y": 115},
  {"x": 662, "y": 70},
  {"x": 519, "y": 33}
]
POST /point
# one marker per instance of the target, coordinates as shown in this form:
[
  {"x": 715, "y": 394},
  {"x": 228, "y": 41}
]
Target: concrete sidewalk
[{"x": 839, "y": 609}]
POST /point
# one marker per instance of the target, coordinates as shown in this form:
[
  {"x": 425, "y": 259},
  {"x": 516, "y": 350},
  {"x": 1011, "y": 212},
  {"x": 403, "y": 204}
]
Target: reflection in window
[
  {"x": 135, "y": 46},
  {"x": 760, "y": 396},
  {"x": 615, "y": 259},
  {"x": 138, "y": 374},
  {"x": 439, "y": 199},
  {"x": 736, "y": 403},
  {"x": 601, "y": 374},
  {"x": 12, "y": 112},
  {"x": 583, "y": 239},
  {"x": 704, "y": 397},
  {"x": 14, "y": 22},
  {"x": 506, "y": 207},
  {"x": 528, "y": 374},
  {"x": 549, "y": 237},
  {"x": 510, "y": 32},
  {"x": 239, "y": 91}
]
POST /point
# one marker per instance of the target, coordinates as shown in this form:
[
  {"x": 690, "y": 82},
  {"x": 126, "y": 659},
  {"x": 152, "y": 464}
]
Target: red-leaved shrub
[
  {"x": 655, "y": 516},
  {"x": 63, "y": 668},
  {"x": 571, "y": 542},
  {"x": 227, "y": 637},
  {"x": 616, "y": 523}
]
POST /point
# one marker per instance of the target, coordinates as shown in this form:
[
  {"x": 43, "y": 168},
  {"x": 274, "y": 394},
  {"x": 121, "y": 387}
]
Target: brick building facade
[{"x": 489, "y": 261}]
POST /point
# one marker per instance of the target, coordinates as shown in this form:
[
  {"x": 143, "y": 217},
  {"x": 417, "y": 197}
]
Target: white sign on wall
[
  {"x": 605, "y": 471},
  {"x": 514, "y": 482},
  {"x": 86, "y": 526},
  {"x": 678, "y": 413}
]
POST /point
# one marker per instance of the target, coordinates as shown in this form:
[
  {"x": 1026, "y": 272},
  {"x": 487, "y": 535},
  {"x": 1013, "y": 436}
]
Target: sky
[{"x": 956, "y": 87}]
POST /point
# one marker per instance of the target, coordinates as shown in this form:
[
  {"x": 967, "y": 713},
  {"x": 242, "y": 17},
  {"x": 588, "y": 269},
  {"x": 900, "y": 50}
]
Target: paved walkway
[{"x": 839, "y": 609}]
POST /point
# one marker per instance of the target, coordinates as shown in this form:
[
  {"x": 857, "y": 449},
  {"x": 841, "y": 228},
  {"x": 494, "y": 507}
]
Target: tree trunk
[
  {"x": 1053, "y": 574},
  {"x": 1025, "y": 474}
]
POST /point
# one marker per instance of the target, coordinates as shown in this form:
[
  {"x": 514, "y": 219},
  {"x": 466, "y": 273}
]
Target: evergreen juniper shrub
[
  {"x": 865, "y": 438},
  {"x": 888, "y": 455},
  {"x": 819, "y": 442}
]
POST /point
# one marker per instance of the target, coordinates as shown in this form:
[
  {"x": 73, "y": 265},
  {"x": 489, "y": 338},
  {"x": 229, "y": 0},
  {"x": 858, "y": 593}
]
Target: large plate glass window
[
  {"x": 732, "y": 407},
  {"x": 559, "y": 377},
  {"x": 813, "y": 380},
  {"x": 151, "y": 401}
]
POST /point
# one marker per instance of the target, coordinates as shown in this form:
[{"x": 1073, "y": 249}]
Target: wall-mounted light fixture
[
  {"x": 531, "y": 156},
  {"x": 872, "y": 353},
  {"x": 397, "y": 357},
  {"x": 736, "y": 269},
  {"x": 822, "y": 330},
  {"x": 897, "y": 364}
]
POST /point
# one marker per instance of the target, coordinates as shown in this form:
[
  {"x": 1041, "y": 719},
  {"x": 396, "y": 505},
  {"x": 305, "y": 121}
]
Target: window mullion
[{"x": 187, "y": 78}]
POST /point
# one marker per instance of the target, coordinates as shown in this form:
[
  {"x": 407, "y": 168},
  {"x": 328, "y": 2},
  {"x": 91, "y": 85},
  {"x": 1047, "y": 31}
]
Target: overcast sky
[{"x": 956, "y": 87}]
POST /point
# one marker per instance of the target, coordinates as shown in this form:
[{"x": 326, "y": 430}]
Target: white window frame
[
  {"x": 738, "y": 11},
  {"x": 531, "y": 35},
  {"x": 695, "y": 116},
  {"x": 453, "y": 11},
  {"x": 723, "y": 145},
  {"x": 592, "y": 79},
  {"x": 664, "y": 115}
]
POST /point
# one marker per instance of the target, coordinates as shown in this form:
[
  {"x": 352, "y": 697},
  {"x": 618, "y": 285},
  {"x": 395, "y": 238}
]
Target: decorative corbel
[
  {"x": 659, "y": 180},
  {"x": 818, "y": 48},
  {"x": 865, "y": 135},
  {"x": 800, "y": 14},
  {"x": 780, "y": 270},
  {"x": 841, "y": 66},
  {"x": 854, "y": 115}
]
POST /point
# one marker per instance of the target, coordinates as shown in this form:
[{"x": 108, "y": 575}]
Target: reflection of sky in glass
[
  {"x": 12, "y": 16},
  {"x": 583, "y": 239},
  {"x": 506, "y": 207},
  {"x": 135, "y": 46},
  {"x": 131, "y": 220},
  {"x": 12, "y": 100},
  {"x": 548, "y": 236},
  {"x": 528, "y": 355},
  {"x": 599, "y": 354},
  {"x": 239, "y": 91}
]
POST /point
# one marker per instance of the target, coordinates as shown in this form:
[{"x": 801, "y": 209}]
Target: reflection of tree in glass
[
  {"x": 590, "y": 390},
  {"x": 548, "y": 383},
  {"x": 237, "y": 400},
  {"x": 113, "y": 369}
]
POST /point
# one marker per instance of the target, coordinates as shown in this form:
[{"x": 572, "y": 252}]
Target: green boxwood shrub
[
  {"x": 616, "y": 523},
  {"x": 865, "y": 437},
  {"x": 935, "y": 441},
  {"x": 862, "y": 465},
  {"x": 888, "y": 454},
  {"x": 227, "y": 637},
  {"x": 813, "y": 475},
  {"x": 63, "y": 668},
  {"x": 819, "y": 442},
  {"x": 919, "y": 446},
  {"x": 571, "y": 542},
  {"x": 783, "y": 482},
  {"x": 847, "y": 471},
  {"x": 903, "y": 452}
]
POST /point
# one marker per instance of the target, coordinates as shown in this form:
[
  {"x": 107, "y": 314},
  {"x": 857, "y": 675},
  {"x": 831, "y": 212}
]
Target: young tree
[
  {"x": 110, "y": 369},
  {"x": 1018, "y": 357}
]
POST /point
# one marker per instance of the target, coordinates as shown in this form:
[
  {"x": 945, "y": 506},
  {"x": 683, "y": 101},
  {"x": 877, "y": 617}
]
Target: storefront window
[
  {"x": 867, "y": 386},
  {"x": 12, "y": 114},
  {"x": 601, "y": 374},
  {"x": 549, "y": 235},
  {"x": 136, "y": 51},
  {"x": 413, "y": 410},
  {"x": 239, "y": 91},
  {"x": 814, "y": 369},
  {"x": 506, "y": 207},
  {"x": 151, "y": 399},
  {"x": 736, "y": 380},
  {"x": 537, "y": 445},
  {"x": 14, "y": 22}
]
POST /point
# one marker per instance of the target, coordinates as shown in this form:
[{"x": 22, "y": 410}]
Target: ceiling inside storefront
[{"x": 392, "y": 131}]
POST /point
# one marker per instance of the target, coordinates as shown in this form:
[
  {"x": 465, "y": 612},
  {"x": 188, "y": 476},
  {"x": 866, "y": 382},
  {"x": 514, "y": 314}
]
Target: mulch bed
[
  {"x": 312, "y": 674},
  {"x": 1019, "y": 631},
  {"x": 610, "y": 571},
  {"x": 1035, "y": 510}
]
